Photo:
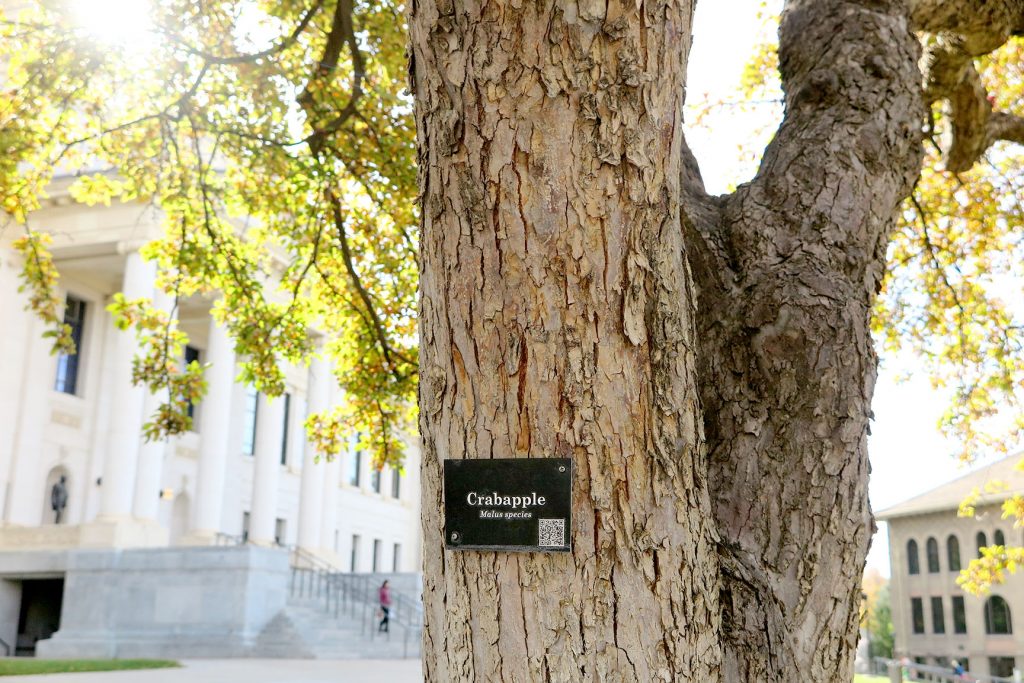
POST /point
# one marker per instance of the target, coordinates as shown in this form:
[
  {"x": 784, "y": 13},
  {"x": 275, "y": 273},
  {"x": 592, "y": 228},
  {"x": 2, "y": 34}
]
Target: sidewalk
[{"x": 251, "y": 671}]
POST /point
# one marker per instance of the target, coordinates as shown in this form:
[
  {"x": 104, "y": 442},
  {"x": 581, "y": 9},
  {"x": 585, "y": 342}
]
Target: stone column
[
  {"x": 26, "y": 381},
  {"x": 329, "y": 519},
  {"x": 269, "y": 423},
  {"x": 331, "y": 479},
  {"x": 215, "y": 437},
  {"x": 14, "y": 346},
  {"x": 126, "y": 402},
  {"x": 151, "y": 453},
  {"x": 311, "y": 491}
]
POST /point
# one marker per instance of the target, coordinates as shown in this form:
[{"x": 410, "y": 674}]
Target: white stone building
[
  {"x": 934, "y": 620},
  {"x": 245, "y": 474}
]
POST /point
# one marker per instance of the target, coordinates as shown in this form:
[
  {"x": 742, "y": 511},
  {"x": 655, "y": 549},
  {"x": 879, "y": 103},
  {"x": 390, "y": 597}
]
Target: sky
[{"x": 908, "y": 454}]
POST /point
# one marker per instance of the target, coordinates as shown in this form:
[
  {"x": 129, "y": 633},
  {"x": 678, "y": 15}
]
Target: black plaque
[{"x": 522, "y": 504}]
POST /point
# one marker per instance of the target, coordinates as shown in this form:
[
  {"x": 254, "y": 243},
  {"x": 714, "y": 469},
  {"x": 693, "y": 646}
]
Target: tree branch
[
  {"x": 211, "y": 58},
  {"x": 964, "y": 31},
  {"x": 342, "y": 33}
]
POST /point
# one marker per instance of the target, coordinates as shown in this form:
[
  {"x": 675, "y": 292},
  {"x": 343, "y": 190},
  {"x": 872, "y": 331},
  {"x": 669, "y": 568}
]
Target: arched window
[
  {"x": 997, "y": 616},
  {"x": 953, "y": 553},
  {"x": 932, "y": 548},
  {"x": 981, "y": 541},
  {"x": 998, "y": 538},
  {"x": 913, "y": 564}
]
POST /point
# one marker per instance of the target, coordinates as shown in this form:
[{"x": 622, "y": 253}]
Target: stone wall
[{"x": 168, "y": 602}]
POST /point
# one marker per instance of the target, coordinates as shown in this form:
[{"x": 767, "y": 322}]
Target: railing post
[{"x": 895, "y": 673}]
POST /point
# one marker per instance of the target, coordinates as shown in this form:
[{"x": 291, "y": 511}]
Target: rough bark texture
[
  {"x": 557, "y": 320},
  {"x": 562, "y": 214},
  {"x": 788, "y": 270}
]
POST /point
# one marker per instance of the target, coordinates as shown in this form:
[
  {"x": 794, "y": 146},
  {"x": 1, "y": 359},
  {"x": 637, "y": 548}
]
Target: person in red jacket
[{"x": 385, "y": 606}]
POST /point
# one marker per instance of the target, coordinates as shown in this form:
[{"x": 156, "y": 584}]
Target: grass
[
  {"x": 864, "y": 678},
  {"x": 22, "y": 666}
]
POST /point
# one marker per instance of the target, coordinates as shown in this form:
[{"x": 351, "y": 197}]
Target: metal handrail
[
  {"x": 6, "y": 646},
  {"x": 357, "y": 594},
  {"x": 928, "y": 672}
]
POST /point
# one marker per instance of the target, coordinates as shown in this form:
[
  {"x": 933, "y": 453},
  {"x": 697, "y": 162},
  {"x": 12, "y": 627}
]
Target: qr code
[{"x": 552, "y": 532}]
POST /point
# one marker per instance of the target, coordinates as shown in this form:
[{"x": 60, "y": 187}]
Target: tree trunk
[{"x": 561, "y": 214}]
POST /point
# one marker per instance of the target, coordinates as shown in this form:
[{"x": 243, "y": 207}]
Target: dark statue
[{"x": 59, "y": 498}]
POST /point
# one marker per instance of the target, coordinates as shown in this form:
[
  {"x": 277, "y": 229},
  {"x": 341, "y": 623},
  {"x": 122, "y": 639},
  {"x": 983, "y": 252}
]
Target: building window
[
  {"x": 938, "y": 616},
  {"x": 354, "y": 560},
  {"x": 981, "y": 541},
  {"x": 192, "y": 356},
  {"x": 245, "y": 527},
  {"x": 913, "y": 564},
  {"x": 953, "y": 553},
  {"x": 284, "y": 429},
  {"x": 997, "y": 616},
  {"x": 932, "y": 548},
  {"x": 959, "y": 615},
  {"x": 396, "y": 484},
  {"x": 396, "y": 558},
  {"x": 917, "y": 612},
  {"x": 998, "y": 538},
  {"x": 376, "y": 555},
  {"x": 355, "y": 465},
  {"x": 280, "y": 530},
  {"x": 375, "y": 480},
  {"x": 252, "y": 400},
  {"x": 67, "y": 363},
  {"x": 1001, "y": 666}
]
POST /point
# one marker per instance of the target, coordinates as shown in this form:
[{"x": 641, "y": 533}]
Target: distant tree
[{"x": 879, "y": 623}]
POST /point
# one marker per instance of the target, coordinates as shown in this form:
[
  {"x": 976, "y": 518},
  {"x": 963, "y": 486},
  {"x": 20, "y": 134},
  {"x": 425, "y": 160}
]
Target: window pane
[
  {"x": 355, "y": 464},
  {"x": 192, "y": 356},
  {"x": 284, "y": 429},
  {"x": 997, "y": 616},
  {"x": 981, "y": 542},
  {"x": 938, "y": 616},
  {"x": 396, "y": 484},
  {"x": 67, "y": 364},
  {"x": 959, "y": 615},
  {"x": 998, "y": 538},
  {"x": 933, "y": 556},
  {"x": 375, "y": 480},
  {"x": 396, "y": 558},
  {"x": 376, "y": 555},
  {"x": 1001, "y": 666},
  {"x": 917, "y": 613},
  {"x": 249, "y": 435},
  {"x": 913, "y": 565},
  {"x": 953, "y": 553},
  {"x": 354, "y": 561}
]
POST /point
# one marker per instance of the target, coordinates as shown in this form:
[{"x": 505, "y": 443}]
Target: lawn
[
  {"x": 864, "y": 678},
  {"x": 22, "y": 666}
]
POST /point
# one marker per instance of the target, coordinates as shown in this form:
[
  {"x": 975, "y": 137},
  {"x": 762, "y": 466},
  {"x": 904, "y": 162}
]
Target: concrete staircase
[
  {"x": 334, "y": 615},
  {"x": 321, "y": 635}
]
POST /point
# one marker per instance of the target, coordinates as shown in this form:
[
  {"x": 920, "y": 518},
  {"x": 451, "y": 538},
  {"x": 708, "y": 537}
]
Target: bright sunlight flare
[{"x": 118, "y": 23}]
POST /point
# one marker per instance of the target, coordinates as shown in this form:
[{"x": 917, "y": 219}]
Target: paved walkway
[{"x": 252, "y": 671}]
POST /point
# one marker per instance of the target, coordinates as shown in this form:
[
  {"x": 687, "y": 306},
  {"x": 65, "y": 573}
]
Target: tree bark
[
  {"x": 787, "y": 268},
  {"x": 557, "y": 320}
]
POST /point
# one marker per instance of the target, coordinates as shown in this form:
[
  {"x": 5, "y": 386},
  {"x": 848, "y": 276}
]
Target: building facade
[
  {"x": 71, "y": 427},
  {"x": 935, "y": 621}
]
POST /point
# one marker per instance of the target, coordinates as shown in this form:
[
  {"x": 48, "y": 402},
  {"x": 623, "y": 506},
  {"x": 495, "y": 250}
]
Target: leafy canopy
[{"x": 277, "y": 140}]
